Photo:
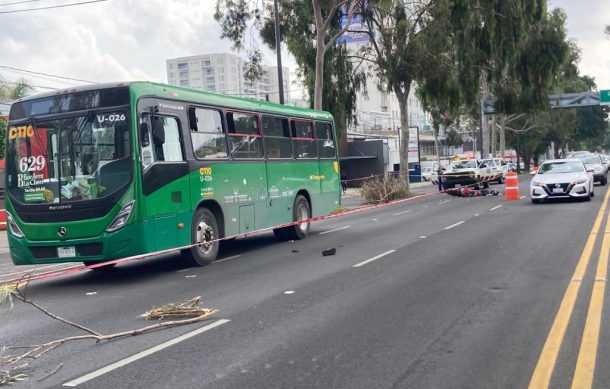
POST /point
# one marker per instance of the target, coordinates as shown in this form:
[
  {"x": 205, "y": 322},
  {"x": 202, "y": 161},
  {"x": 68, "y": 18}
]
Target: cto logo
[{"x": 20, "y": 132}]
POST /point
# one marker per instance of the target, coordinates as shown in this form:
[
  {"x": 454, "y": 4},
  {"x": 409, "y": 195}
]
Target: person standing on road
[{"x": 439, "y": 171}]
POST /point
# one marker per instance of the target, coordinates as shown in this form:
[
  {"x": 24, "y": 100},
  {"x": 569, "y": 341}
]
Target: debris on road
[
  {"x": 190, "y": 308},
  {"x": 328, "y": 252}
]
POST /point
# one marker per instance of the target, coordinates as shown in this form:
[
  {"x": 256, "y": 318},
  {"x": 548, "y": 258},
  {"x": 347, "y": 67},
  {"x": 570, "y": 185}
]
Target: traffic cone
[{"x": 511, "y": 190}]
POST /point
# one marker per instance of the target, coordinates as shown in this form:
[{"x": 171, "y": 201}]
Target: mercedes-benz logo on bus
[{"x": 61, "y": 231}]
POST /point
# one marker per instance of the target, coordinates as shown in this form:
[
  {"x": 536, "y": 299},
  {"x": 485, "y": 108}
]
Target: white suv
[{"x": 494, "y": 169}]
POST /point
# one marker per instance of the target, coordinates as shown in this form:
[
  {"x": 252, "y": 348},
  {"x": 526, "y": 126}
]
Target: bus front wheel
[
  {"x": 204, "y": 230},
  {"x": 300, "y": 211}
]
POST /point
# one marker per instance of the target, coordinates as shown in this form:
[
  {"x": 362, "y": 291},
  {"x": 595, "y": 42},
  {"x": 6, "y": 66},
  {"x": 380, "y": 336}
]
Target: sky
[{"x": 119, "y": 40}]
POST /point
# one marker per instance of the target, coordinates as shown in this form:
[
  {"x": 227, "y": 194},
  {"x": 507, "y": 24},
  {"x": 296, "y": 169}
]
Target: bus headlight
[
  {"x": 121, "y": 218},
  {"x": 15, "y": 230}
]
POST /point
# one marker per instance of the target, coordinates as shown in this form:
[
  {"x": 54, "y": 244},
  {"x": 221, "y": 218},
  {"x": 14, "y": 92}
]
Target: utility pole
[{"x": 278, "y": 50}]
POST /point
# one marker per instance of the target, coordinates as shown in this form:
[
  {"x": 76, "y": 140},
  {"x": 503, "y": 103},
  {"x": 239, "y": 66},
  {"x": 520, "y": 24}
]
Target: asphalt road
[{"x": 436, "y": 293}]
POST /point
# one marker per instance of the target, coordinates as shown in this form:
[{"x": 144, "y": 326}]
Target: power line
[
  {"x": 18, "y": 2},
  {"x": 33, "y": 86},
  {"x": 50, "y": 7},
  {"x": 46, "y": 74}
]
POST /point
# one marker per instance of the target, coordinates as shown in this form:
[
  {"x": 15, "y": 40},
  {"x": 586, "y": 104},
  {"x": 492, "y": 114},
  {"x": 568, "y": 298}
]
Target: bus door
[
  {"x": 247, "y": 181},
  {"x": 327, "y": 154},
  {"x": 165, "y": 181},
  {"x": 281, "y": 169}
]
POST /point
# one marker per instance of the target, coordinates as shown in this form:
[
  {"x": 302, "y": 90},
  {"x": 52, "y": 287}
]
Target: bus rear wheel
[
  {"x": 204, "y": 229},
  {"x": 300, "y": 211}
]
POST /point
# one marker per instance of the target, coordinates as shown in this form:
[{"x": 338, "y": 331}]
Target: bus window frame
[
  {"x": 287, "y": 119},
  {"x": 313, "y": 138},
  {"x": 225, "y": 131},
  {"x": 229, "y": 134},
  {"x": 180, "y": 135},
  {"x": 332, "y": 131}
]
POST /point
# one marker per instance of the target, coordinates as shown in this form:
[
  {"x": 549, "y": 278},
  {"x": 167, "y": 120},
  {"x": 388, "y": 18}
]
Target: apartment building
[{"x": 224, "y": 73}]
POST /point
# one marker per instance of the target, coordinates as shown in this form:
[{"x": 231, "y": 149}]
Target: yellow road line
[
  {"x": 585, "y": 365},
  {"x": 541, "y": 378}
]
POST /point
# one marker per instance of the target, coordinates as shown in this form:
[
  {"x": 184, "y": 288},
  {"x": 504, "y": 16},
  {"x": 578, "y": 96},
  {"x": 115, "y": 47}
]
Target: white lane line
[
  {"x": 336, "y": 229},
  {"x": 496, "y": 207},
  {"x": 454, "y": 225},
  {"x": 401, "y": 213},
  {"x": 522, "y": 197},
  {"x": 228, "y": 258},
  {"x": 374, "y": 258},
  {"x": 142, "y": 354},
  {"x": 444, "y": 201}
]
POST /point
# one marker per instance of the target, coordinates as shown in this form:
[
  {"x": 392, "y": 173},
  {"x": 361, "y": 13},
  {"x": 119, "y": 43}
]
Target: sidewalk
[{"x": 353, "y": 198}]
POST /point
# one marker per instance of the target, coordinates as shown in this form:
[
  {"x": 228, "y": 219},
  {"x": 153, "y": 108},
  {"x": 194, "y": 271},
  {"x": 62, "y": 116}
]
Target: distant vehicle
[
  {"x": 428, "y": 173},
  {"x": 464, "y": 172},
  {"x": 495, "y": 169},
  {"x": 562, "y": 178},
  {"x": 573, "y": 154},
  {"x": 597, "y": 164}
]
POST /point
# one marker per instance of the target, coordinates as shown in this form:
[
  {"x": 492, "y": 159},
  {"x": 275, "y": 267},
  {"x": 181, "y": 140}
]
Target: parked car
[
  {"x": 562, "y": 178},
  {"x": 596, "y": 163}
]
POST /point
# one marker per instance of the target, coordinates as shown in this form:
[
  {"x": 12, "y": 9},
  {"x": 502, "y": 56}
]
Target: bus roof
[{"x": 170, "y": 92}]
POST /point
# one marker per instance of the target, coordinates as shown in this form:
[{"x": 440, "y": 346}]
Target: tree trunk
[
  {"x": 438, "y": 152},
  {"x": 502, "y": 133},
  {"x": 317, "y": 99},
  {"x": 404, "y": 137},
  {"x": 494, "y": 140}
]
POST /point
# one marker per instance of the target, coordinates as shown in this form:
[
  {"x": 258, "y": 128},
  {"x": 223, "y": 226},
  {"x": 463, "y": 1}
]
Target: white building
[{"x": 224, "y": 73}]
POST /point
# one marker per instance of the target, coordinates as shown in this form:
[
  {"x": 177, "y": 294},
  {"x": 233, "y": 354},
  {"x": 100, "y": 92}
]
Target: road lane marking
[
  {"x": 444, "y": 201},
  {"x": 454, "y": 225},
  {"x": 228, "y": 258},
  {"x": 522, "y": 197},
  {"x": 541, "y": 378},
  {"x": 496, "y": 207},
  {"x": 336, "y": 229},
  {"x": 145, "y": 353},
  {"x": 374, "y": 258},
  {"x": 585, "y": 364},
  {"x": 401, "y": 213}
]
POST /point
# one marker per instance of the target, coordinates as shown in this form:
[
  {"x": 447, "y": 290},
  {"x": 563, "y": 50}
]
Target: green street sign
[{"x": 604, "y": 97}]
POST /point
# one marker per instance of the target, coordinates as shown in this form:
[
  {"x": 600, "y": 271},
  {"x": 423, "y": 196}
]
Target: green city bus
[{"x": 112, "y": 171}]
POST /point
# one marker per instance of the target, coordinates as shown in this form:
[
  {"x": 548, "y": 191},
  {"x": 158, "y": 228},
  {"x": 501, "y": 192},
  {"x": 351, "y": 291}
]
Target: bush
[{"x": 384, "y": 190}]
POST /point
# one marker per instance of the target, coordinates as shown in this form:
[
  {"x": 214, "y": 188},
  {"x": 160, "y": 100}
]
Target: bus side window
[
  {"x": 303, "y": 139},
  {"x": 207, "y": 134},
  {"x": 276, "y": 133},
  {"x": 244, "y": 136},
  {"x": 324, "y": 140}
]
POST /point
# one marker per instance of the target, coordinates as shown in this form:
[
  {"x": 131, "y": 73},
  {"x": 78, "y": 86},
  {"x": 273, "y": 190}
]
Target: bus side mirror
[{"x": 144, "y": 139}]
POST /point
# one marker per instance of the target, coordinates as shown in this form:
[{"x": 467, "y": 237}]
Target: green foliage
[
  {"x": 454, "y": 139},
  {"x": 341, "y": 81},
  {"x": 13, "y": 91}
]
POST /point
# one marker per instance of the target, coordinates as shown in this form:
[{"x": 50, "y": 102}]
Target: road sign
[{"x": 604, "y": 97}]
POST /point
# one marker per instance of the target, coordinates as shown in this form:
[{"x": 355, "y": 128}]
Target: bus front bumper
[{"x": 119, "y": 244}]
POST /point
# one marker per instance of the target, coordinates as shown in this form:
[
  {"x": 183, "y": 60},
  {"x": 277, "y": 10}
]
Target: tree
[
  {"x": 10, "y": 92},
  {"x": 14, "y": 91},
  {"x": 234, "y": 16},
  {"x": 340, "y": 86}
]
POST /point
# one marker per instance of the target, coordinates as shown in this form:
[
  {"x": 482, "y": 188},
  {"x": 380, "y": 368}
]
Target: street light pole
[{"x": 278, "y": 50}]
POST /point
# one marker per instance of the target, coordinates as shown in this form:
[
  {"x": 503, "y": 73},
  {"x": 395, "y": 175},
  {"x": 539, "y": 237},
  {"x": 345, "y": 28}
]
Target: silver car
[
  {"x": 595, "y": 162},
  {"x": 562, "y": 178}
]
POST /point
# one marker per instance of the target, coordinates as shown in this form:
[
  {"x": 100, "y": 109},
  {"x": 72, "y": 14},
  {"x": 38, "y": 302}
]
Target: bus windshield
[{"x": 68, "y": 159}]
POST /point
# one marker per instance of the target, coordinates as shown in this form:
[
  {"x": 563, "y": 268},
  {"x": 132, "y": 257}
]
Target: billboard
[
  {"x": 413, "y": 145},
  {"x": 357, "y": 31}
]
